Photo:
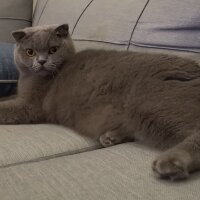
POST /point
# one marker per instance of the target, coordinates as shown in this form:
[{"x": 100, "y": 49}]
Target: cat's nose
[{"x": 42, "y": 62}]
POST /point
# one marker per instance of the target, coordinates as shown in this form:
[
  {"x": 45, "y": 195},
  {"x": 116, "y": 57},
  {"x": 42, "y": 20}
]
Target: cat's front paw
[
  {"x": 171, "y": 166},
  {"x": 110, "y": 138}
]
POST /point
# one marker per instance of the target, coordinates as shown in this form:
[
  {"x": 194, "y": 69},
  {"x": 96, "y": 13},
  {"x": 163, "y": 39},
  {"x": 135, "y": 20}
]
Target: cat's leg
[
  {"x": 114, "y": 137},
  {"x": 17, "y": 111},
  {"x": 177, "y": 162}
]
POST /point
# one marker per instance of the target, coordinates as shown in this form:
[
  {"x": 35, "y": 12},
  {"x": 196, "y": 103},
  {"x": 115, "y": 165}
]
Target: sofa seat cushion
[
  {"x": 119, "y": 172},
  {"x": 26, "y": 143}
]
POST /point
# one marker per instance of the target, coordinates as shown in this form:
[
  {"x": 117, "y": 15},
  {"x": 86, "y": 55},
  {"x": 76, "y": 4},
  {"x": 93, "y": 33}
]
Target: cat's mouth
[{"x": 44, "y": 70}]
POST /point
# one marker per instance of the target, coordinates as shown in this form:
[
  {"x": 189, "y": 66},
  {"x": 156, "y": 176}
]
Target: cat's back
[
  {"x": 123, "y": 64},
  {"x": 94, "y": 68},
  {"x": 137, "y": 60}
]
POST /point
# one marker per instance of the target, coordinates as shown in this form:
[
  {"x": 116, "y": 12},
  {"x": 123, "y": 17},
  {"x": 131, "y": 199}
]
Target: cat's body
[
  {"x": 100, "y": 91},
  {"x": 110, "y": 96}
]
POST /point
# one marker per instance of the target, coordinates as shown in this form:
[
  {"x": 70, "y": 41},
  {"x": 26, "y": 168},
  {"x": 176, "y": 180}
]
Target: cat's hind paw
[{"x": 170, "y": 167}]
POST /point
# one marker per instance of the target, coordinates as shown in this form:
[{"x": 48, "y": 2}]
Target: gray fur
[{"x": 110, "y": 96}]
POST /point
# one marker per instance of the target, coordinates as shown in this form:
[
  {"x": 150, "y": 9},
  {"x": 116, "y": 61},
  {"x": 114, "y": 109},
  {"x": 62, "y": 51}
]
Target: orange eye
[
  {"x": 53, "y": 50},
  {"x": 30, "y": 52}
]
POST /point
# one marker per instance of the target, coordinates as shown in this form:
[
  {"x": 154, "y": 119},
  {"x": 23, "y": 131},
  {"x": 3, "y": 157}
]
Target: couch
[{"x": 49, "y": 162}]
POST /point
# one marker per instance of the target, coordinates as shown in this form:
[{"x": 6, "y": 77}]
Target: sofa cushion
[
  {"x": 109, "y": 22},
  {"x": 66, "y": 11},
  {"x": 169, "y": 24},
  {"x": 119, "y": 172},
  {"x": 8, "y": 71},
  {"x": 100, "y": 21},
  {"x": 25, "y": 143},
  {"x": 14, "y": 15}
]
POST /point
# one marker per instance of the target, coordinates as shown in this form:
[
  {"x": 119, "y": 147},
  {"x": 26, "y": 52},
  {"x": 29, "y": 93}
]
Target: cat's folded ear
[
  {"x": 62, "y": 30},
  {"x": 18, "y": 35}
]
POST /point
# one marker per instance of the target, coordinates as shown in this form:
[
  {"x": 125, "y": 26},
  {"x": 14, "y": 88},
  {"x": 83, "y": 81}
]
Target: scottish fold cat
[{"x": 111, "y": 96}]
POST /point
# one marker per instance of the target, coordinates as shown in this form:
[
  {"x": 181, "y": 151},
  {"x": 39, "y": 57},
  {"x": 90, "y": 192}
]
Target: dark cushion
[{"x": 8, "y": 72}]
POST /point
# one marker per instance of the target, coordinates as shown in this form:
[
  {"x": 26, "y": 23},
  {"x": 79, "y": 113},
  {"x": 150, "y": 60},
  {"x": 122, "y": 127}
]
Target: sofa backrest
[{"x": 155, "y": 24}]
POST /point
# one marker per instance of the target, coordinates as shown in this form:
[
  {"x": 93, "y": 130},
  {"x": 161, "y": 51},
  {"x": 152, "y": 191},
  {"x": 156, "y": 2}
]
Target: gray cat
[{"x": 108, "y": 95}]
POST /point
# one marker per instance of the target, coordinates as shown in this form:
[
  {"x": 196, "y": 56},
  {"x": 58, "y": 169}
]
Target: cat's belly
[{"x": 93, "y": 121}]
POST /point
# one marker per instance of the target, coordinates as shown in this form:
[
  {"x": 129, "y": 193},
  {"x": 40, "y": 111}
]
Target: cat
[{"x": 111, "y": 96}]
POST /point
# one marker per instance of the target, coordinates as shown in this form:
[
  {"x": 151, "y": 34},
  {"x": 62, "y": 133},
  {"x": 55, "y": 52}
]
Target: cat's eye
[
  {"x": 53, "y": 50},
  {"x": 30, "y": 52}
]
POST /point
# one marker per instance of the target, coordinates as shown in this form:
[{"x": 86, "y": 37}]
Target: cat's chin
[{"x": 44, "y": 73}]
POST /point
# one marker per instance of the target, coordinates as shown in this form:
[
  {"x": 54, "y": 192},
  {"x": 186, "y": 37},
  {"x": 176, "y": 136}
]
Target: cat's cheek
[{"x": 26, "y": 61}]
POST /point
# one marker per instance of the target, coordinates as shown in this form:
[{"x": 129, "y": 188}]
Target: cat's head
[{"x": 42, "y": 50}]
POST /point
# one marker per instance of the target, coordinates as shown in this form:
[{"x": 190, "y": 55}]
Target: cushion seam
[
  {"x": 42, "y": 12},
  {"x": 62, "y": 154},
  {"x": 15, "y": 18},
  {"x": 77, "y": 21},
  {"x": 137, "y": 23},
  {"x": 165, "y": 48},
  {"x": 101, "y": 41}
]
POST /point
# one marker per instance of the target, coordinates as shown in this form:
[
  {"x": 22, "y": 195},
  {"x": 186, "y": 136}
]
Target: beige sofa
[{"x": 48, "y": 162}]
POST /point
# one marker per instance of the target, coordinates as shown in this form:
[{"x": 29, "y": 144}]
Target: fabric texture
[
  {"x": 25, "y": 143},
  {"x": 119, "y": 172},
  {"x": 14, "y": 15},
  {"x": 8, "y": 71}
]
